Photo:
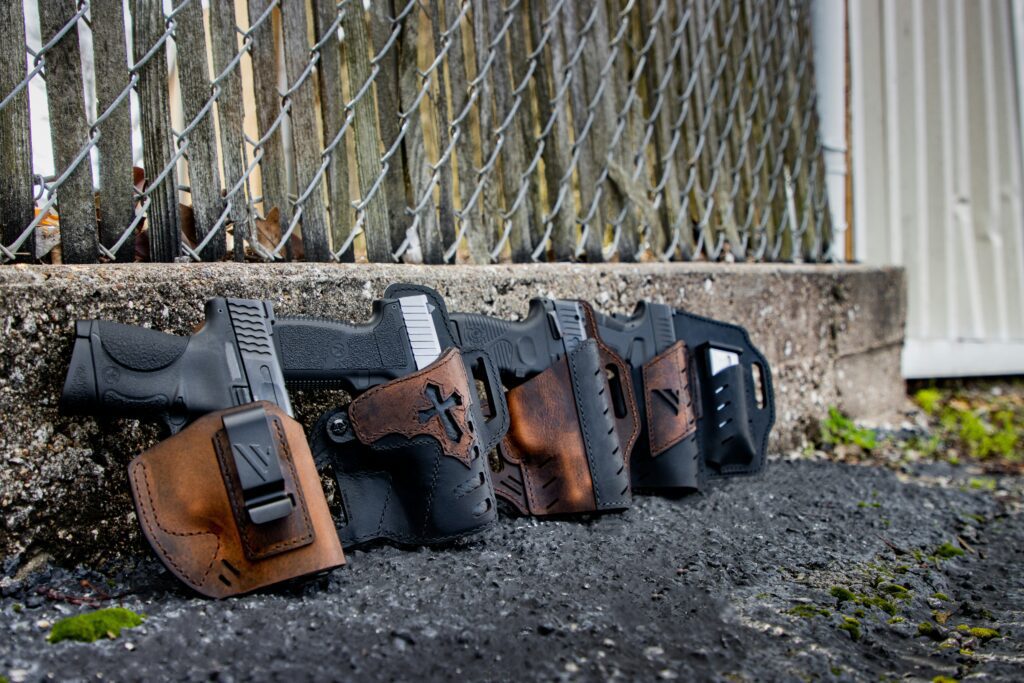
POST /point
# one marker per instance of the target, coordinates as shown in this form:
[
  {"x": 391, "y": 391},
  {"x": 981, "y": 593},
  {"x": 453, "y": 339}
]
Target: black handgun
[
  {"x": 704, "y": 392},
  {"x": 126, "y": 370}
]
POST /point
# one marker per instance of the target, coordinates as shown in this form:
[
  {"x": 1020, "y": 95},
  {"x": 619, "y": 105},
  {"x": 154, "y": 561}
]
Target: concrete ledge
[{"x": 832, "y": 333}]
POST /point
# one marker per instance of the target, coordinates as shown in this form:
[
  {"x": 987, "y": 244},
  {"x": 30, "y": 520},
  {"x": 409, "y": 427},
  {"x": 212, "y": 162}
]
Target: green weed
[{"x": 837, "y": 429}]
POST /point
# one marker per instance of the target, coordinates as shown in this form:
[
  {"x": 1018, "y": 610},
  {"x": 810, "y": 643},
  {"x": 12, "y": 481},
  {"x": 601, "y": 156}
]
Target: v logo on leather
[
  {"x": 669, "y": 396},
  {"x": 442, "y": 408},
  {"x": 261, "y": 466}
]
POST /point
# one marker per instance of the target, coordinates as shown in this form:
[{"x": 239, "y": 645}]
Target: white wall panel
[{"x": 936, "y": 148}]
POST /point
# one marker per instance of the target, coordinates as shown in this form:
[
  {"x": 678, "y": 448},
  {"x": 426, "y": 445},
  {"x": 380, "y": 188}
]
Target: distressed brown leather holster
[
  {"x": 233, "y": 502},
  {"x": 568, "y": 445}
]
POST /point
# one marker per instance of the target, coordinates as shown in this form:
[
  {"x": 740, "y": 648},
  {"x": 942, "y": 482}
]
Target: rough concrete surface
[
  {"x": 735, "y": 584},
  {"x": 831, "y": 333}
]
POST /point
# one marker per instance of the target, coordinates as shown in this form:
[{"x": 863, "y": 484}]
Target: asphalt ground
[{"x": 739, "y": 583}]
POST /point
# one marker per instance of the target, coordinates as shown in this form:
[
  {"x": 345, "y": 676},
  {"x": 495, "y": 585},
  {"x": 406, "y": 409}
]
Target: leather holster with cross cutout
[
  {"x": 233, "y": 502},
  {"x": 410, "y": 458}
]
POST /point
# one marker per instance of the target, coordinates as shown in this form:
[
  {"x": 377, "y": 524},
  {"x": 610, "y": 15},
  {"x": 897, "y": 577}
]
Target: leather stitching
[
  {"x": 461, "y": 385},
  {"x": 245, "y": 530},
  {"x": 164, "y": 553}
]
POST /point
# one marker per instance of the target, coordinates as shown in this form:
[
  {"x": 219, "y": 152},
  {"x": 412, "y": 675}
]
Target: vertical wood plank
[
  {"x": 661, "y": 81},
  {"x": 417, "y": 163},
  {"x": 273, "y": 170},
  {"x": 332, "y": 104},
  {"x": 520, "y": 48},
  {"x": 164, "y": 232},
  {"x": 552, "y": 102},
  {"x": 367, "y": 137},
  {"x": 513, "y": 152},
  {"x": 65, "y": 96},
  {"x": 617, "y": 115},
  {"x": 486, "y": 232},
  {"x": 231, "y": 116},
  {"x": 305, "y": 133},
  {"x": 16, "y": 198},
  {"x": 580, "y": 39},
  {"x": 110, "y": 53},
  {"x": 445, "y": 214},
  {"x": 459, "y": 57},
  {"x": 203, "y": 171},
  {"x": 388, "y": 107}
]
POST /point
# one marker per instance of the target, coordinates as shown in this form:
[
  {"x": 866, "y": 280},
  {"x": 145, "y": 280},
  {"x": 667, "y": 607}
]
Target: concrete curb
[{"x": 832, "y": 333}]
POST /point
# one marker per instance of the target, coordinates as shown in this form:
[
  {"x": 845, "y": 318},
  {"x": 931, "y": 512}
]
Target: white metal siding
[{"x": 935, "y": 118}]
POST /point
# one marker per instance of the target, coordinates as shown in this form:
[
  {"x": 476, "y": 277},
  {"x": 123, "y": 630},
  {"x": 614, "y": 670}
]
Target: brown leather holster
[
  {"x": 567, "y": 449},
  {"x": 234, "y": 503}
]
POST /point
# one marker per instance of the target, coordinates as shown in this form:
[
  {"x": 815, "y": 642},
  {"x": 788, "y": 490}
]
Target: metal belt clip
[{"x": 259, "y": 465}]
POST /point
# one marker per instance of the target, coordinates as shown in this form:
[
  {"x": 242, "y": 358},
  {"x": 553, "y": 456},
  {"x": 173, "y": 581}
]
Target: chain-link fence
[{"x": 419, "y": 130}]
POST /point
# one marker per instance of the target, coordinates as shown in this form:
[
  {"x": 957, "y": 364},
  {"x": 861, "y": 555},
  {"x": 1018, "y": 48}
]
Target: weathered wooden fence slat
[
  {"x": 75, "y": 202},
  {"x": 116, "y": 194},
  {"x": 203, "y": 167},
  {"x": 305, "y": 134},
  {"x": 434, "y": 252},
  {"x": 367, "y": 139},
  {"x": 332, "y": 106},
  {"x": 230, "y": 109},
  {"x": 264, "y": 54},
  {"x": 16, "y": 195},
  {"x": 386, "y": 47},
  {"x": 158, "y": 150}
]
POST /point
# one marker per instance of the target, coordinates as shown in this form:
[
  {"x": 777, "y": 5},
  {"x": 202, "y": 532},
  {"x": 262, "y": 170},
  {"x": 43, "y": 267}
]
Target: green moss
[
  {"x": 941, "y": 596},
  {"x": 918, "y": 555},
  {"x": 897, "y": 591},
  {"x": 851, "y": 626},
  {"x": 887, "y": 606},
  {"x": 842, "y": 594},
  {"x": 836, "y": 670},
  {"x": 943, "y": 679},
  {"x": 808, "y": 611},
  {"x": 762, "y": 596},
  {"x": 928, "y": 399},
  {"x": 984, "y": 634},
  {"x": 859, "y": 613},
  {"x": 865, "y": 504},
  {"x": 901, "y": 569},
  {"x": 93, "y": 625},
  {"x": 982, "y": 483},
  {"x": 897, "y": 620},
  {"x": 17, "y": 607},
  {"x": 837, "y": 429},
  {"x": 4, "y": 679},
  {"x": 947, "y": 551},
  {"x": 967, "y": 652},
  {"x": 927, "y": 628}
]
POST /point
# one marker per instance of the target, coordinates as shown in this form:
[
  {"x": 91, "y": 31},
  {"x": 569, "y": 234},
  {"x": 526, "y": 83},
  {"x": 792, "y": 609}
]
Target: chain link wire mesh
[{"x": 432, "y": 131}]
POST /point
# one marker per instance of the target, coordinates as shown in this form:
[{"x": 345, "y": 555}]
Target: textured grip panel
[{"x": 139, "y": 348}]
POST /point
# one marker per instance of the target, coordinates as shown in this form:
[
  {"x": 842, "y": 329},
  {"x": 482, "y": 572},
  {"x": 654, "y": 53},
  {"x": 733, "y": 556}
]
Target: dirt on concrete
[{"x": 812, "y": 571}]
